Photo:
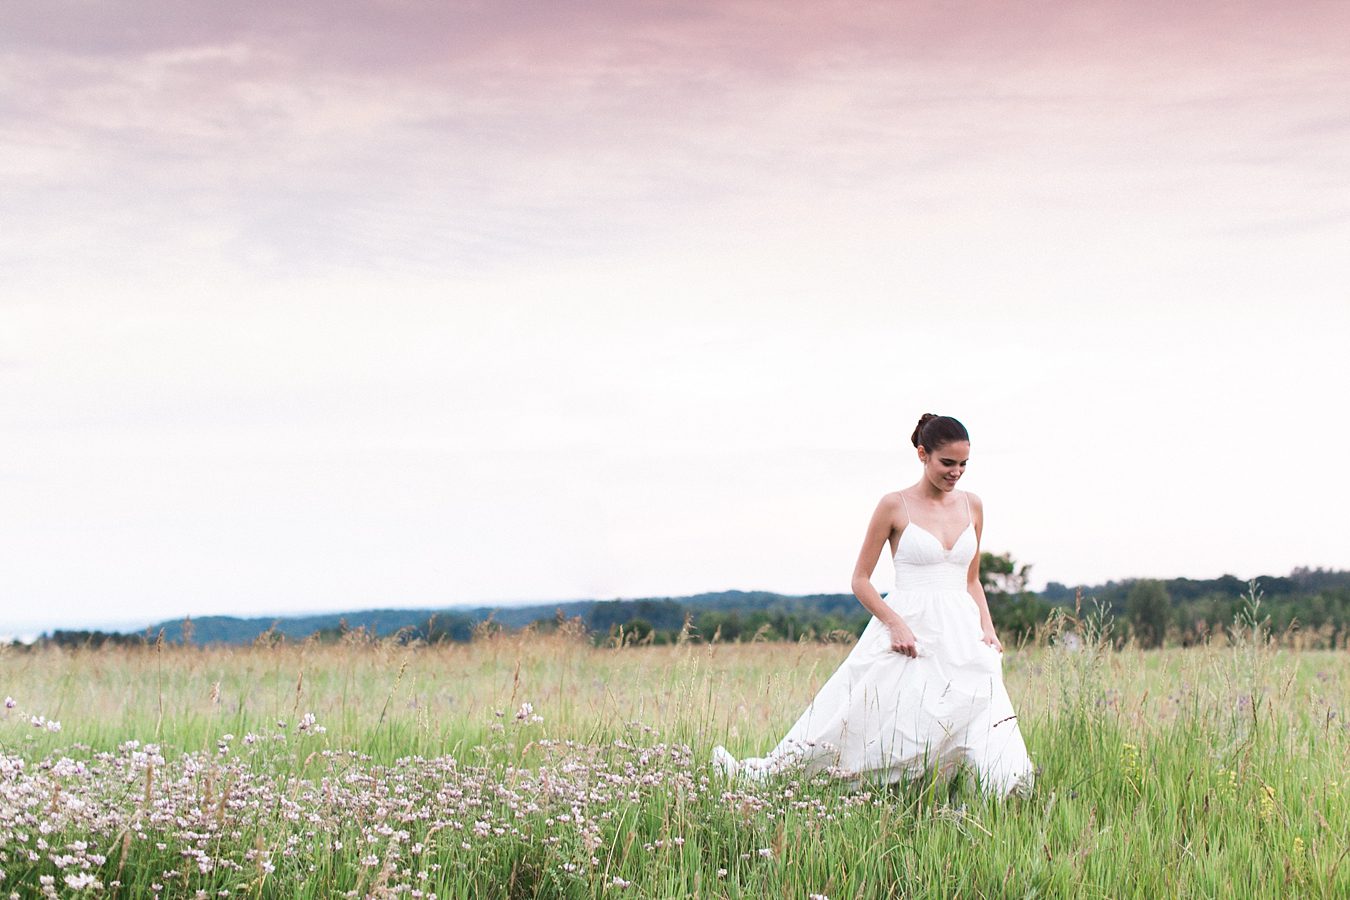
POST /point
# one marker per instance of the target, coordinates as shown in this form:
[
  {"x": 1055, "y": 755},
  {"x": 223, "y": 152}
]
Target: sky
[{"x": 324, "y": 306}]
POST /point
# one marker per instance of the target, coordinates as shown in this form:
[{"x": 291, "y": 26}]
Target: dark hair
[{"x": 936, "y": 431}]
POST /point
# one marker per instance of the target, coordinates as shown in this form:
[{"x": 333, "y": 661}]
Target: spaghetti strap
[
  {"x": 908, "y": 517},
  {"x": 970, "y": 518}
]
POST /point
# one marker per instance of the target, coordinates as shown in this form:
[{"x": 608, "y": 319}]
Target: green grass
[{"x": 1211, "y": 772}]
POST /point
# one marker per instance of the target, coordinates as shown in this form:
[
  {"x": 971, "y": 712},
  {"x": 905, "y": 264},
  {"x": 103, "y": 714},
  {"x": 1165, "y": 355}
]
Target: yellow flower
[
  {"x": 1129, "y": 762},
  {"x": 1267, "y": 802}
]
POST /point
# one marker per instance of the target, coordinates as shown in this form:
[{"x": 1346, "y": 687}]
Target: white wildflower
[{"x": 78, "y": 881}]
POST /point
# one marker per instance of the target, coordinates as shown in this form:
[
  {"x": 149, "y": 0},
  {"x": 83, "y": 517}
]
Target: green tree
[
  {"x": 1147, "y": 605},
  {"x": 1015, "y": 610},
  {"x": 1000, "y": 574}
]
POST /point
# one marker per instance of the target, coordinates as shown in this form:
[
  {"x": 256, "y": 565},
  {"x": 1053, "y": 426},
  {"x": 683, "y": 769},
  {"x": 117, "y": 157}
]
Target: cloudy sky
[{"x": 316, "y": 306}]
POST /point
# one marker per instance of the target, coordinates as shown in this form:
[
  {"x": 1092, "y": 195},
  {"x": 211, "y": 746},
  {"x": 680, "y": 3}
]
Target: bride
[{"x": 923, "y": 687}]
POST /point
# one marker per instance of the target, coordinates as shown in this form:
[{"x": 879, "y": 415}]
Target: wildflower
[
  {"x": 10, "y": 703},
  {"x": 525, "y": 711},
  {"x": 80, "y": 881},
  {"x": 817, "y": 897},
  {"x": 308, "y": 724},
  {"x": 1129, "y": 762},
  {"x": 766, "y": 852},
  {"x": 1267, "y": 802},
  {"x": 620, "y": 882}
]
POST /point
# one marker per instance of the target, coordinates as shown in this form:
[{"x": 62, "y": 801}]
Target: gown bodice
[{"x": 923, "y": 564}]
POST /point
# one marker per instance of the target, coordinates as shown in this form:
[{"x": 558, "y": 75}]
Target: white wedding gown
[{"x": 883, "y": 716}]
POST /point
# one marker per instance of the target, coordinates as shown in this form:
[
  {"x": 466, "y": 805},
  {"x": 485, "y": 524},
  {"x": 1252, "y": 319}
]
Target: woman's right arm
[{"x": 884, "y": 521}]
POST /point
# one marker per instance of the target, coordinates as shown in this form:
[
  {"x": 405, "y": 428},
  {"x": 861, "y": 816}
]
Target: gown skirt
[{"x": 883, "y": 716}]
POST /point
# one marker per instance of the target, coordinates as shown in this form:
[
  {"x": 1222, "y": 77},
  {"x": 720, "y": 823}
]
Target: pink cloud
[{"x": 484, "y": 130}]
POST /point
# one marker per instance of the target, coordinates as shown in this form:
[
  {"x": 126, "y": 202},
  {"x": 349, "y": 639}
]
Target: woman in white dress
[{"x": 923, "y": 688}]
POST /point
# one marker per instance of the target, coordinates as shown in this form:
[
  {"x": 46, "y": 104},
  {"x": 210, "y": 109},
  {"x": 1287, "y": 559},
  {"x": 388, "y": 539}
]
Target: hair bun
[
  {"x": 918, "y": 429},
  {"x": 933, "y": 432}
]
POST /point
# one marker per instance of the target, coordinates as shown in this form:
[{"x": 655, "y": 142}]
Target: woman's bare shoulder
[
  {"x": 892, "y": 500},
  {"x": 891, "y": 508}
]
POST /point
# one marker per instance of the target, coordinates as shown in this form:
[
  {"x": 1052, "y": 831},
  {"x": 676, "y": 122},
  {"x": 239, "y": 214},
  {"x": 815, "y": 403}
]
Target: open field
[{"x": 525, "y": 765}]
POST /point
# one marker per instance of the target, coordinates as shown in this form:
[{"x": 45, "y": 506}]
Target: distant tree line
[
  {"x": 1313, "y": 604},
  {"x": 91, "y": 640},
  {"x": 1310, "y": 607}
]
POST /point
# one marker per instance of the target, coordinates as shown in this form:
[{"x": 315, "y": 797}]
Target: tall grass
[{"x": 525, "y": 765}]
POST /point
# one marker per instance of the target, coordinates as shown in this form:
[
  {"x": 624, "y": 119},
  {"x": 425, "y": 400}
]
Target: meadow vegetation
[{"x": 524, "y": 764}]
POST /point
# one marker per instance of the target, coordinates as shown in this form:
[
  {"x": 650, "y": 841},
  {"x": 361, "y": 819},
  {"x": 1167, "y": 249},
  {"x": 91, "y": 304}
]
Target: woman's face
[{"x": 946, "y": 464}]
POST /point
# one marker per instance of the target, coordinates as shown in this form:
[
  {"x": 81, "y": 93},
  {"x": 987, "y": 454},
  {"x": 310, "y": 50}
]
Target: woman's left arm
[{"x": 973, "y": 584}]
